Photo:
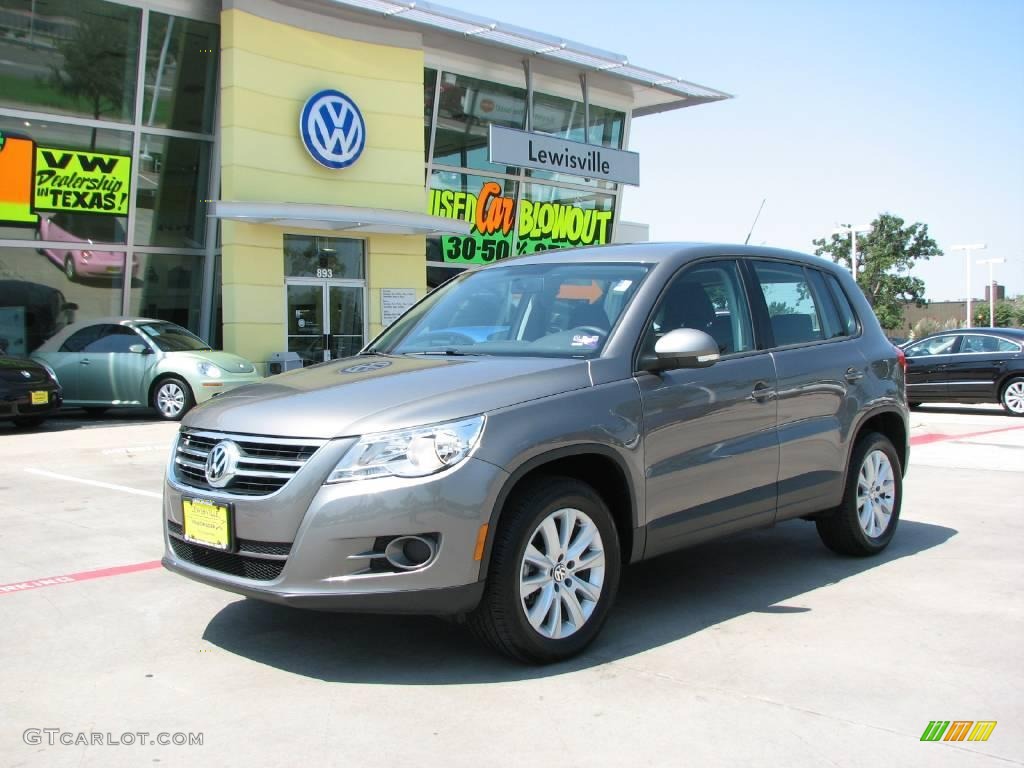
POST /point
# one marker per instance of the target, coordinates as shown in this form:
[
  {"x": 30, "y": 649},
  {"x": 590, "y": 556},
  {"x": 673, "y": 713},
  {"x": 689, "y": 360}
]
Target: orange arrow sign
[{"x": 592, "y": 293}]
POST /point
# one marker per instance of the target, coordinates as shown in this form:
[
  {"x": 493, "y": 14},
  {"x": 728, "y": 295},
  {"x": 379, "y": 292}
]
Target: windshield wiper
[{"x": 450, "y": 352}]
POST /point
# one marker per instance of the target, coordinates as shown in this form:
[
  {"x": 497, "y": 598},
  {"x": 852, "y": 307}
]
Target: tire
[
  {"x": 69, "y": 268},
  {"x": 1012, "y": 397},
  {"x": 501, "y": 618},
  {"x": 27, "y": 422},
  {"x": 172, "y": 398},
  {"x": 843, "y": 531}
]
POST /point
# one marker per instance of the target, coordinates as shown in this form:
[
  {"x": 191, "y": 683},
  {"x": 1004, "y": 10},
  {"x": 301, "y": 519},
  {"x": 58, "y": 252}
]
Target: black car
[
  {"x": 972, "y": 365},
  {"x": 29, "y": 392}
]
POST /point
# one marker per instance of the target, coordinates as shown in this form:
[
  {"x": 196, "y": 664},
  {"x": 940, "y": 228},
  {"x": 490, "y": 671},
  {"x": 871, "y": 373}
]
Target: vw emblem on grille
[
  {"x": 26, "y": 374},
  {"x": 332, "y": 128},
  {"x": 222, "y": 463},
  {"x": 366, "y": 367}
]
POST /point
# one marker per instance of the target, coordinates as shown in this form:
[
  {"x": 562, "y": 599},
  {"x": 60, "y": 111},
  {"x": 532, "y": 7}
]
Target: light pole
[
  {"x": 967, "y": 253},
  {"x": 853, "y": 232},
  {"x": 991, "y": 289}
]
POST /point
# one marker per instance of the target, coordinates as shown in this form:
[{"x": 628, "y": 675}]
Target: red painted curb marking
[
  {"x": 938, "y": 437},
  {"x": 70, "y": 578}
]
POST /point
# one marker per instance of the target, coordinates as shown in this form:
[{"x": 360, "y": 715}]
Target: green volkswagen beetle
[{"x": 119, "y": 362}]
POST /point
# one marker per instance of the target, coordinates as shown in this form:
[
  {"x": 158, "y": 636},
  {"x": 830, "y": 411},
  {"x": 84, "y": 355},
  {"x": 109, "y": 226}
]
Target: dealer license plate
[
  {"x": 40, "y": 398},
  {"x": 207, "y": 523}
]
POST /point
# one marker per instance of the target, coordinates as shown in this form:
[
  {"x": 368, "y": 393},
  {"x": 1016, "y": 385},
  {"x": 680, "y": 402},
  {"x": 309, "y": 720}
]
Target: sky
[{"x": 843, "y": 111}]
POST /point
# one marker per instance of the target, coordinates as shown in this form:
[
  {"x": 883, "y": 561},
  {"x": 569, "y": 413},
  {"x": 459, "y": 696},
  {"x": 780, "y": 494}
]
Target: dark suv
[{"x": 527, "y": 429}]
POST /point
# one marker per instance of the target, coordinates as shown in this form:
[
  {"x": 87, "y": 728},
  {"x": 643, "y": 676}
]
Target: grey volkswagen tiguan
[{"x": 524, "y": 431}]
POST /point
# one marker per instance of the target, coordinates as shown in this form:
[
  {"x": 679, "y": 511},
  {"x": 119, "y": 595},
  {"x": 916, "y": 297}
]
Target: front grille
[
  {"x": 266, "y": 464},
  {"x": 253, "y": 568},
  {"x": 276, "y": 548}
]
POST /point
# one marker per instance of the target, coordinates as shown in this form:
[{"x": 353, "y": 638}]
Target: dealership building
[{"x": 290, "y": 176}]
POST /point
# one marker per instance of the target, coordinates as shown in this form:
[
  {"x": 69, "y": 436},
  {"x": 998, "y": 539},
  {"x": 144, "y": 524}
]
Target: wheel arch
[
  {"x": 598, "y": 466},
  {"x": 163, "y": 376},
  {"x": 887, "y": 421}
]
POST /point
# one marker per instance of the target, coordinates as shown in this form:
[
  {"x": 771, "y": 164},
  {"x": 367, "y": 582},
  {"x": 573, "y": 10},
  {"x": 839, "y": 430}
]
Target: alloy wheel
[
  {"x": 1013, "y": 397},
  {"x": 562, "y": 573},
  {"x": 876, "y": 494},
  {"x": 170, "y": 399}
]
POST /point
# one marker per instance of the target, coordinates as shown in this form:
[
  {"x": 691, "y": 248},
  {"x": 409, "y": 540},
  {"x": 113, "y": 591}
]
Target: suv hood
[{"x": 376, "y": 393}]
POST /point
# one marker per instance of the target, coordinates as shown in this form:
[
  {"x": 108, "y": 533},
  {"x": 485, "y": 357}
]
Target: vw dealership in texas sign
[
  {"x": 509, "y": 146},
  {"x": 332, "y": 129}
]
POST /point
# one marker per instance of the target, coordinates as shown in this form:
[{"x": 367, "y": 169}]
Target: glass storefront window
[
  {"x": 489, "y": 207},
  {"x": 63, "y": 182},
  {"x": 181, "y": 73},
  {"x": 72, "y": 57},
  {"x": 167, "y": 287},
  {"x": 553, "y": 217},
  {"x": 172, "y": 185},
  {"x": 332, "y": 258},
  {"x": 429, "y": 86},
  {"x": 43, "y": 290},
  {"x": 466, "y": 106}
]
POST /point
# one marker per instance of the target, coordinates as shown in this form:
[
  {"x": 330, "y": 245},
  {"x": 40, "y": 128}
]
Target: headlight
[
  {"x": 208, "y": 369},
  {"x": 409, "y": 452}
]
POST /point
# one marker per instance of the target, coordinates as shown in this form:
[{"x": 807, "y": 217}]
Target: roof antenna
[{"x": 747, "y": 241}]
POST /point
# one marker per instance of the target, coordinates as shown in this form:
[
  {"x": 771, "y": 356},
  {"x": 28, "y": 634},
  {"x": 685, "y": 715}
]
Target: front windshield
[
  {"x": 173, "y": 338},
  {"x": 527, "y": 310}
]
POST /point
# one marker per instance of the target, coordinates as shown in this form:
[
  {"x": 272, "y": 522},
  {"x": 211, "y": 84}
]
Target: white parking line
[{"x": 97, "y": 483}]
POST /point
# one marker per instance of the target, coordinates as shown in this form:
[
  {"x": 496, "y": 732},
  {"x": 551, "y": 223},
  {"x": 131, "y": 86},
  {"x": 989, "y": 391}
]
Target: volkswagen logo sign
[
  {"x": 26, "y": 374},
  {"x": 366, "y": 367},
  {"x": 332, "y": 128},
  {"x": 222, "y": 463}
]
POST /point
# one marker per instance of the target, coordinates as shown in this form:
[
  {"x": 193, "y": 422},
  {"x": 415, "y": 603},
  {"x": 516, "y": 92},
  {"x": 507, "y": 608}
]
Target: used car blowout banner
[{"x": 539, "y": 226}]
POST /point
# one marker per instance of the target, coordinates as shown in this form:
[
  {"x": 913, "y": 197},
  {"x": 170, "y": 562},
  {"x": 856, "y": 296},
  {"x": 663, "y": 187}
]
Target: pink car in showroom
[{"x": 80, "y": 231}]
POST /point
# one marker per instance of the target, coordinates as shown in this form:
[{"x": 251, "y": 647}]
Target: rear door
[
  {"x": 974, "y": 371},
  {"x": 67, "y": 361},
  {"x": 928, "y": 367},
  {"x": 819, "y": 368},
  {"x": 711, "y": 451}
]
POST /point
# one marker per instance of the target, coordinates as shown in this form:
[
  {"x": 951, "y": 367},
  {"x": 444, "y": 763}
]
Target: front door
[
  {"x": 711, "y": 448},
  {"x": 326, "y": 319}
]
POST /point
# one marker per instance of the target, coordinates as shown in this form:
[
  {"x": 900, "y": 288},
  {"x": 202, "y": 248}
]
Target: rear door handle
[
  {"x": 762, "y": 392},
  {"x": 853, "y": 374},
  {"x": 84, "y": 362}
]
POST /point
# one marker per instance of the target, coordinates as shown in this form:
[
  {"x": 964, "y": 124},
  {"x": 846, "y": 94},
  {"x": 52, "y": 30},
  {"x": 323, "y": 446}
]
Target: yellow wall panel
[{"x": 254, "y": 184}]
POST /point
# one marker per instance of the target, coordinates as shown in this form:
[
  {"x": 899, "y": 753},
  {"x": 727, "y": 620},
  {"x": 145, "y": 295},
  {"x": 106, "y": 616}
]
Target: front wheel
[
  {"x": 69, "y": 268},
  {"x": 553, "y": 574},
  {"x": 1013, "y": 397},
  {"x": 865, "y": 521},
  {"x": 172, "y": 398}
]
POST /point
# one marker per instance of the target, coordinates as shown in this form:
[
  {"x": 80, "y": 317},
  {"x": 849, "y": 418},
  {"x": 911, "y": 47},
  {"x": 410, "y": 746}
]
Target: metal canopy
[
  {"x": 379, "y": 221},
  {"x": 675, "y": 92}
]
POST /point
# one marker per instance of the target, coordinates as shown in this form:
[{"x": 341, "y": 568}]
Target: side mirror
[
  {"x": 70, "y": 306},
  {"x": 140, "y": 349},
  {"x": 682, "y": 348}
]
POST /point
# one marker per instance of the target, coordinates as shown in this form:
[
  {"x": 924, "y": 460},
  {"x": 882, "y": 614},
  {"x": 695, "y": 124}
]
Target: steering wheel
[{"x": 591, "y": 329}]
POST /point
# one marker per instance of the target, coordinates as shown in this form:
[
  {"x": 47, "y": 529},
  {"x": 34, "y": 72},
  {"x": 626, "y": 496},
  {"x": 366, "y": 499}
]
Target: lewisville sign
[{"x": 508, "y": 146}]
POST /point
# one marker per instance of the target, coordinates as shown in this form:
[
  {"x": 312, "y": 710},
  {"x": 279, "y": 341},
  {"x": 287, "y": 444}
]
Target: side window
[
  {"x": 833, "y": 327},
  {"x": 938, "y": 345},
  {"x": 115, "y": 338},
  {"x": 794, "y": 315},
  {"x": 846, "y": 313},
  {"x": 1002, "y": 345},
  {"x": 79, "y": 340},
  {"x": 710, "y": 298},
  {"x": 987, "y": 344}
]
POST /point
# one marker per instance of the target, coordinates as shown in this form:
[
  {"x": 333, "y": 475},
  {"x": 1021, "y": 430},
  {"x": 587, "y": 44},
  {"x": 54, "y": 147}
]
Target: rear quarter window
[{"x": 847, "y": 317}]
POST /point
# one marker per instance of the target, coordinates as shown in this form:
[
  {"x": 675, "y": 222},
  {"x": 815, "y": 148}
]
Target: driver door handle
[
  {"x": 852, "y": 375},
  {"x": 763, "y": 392},
  {"x": 86, "y": 361}
]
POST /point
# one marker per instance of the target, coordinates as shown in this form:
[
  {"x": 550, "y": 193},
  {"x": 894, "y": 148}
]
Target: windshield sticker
[{"x": 590, "y": 342}]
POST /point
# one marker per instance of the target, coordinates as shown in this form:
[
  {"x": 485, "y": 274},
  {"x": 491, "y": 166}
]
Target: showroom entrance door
[{"x": 326, "y": 318}]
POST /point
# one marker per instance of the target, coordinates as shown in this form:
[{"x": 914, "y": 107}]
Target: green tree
[
  {"x": 887, "y": 255},
  {"x": 96, "y": 63},
  {"x": 1007, "y": 314}
]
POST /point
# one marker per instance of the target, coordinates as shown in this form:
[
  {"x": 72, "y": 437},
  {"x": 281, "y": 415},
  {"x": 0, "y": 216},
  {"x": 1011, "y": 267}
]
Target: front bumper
[
  {"x": 206, "y": 389},
  {"x": 319, "y": 534},
  {"x": 16, "y": 403}
]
